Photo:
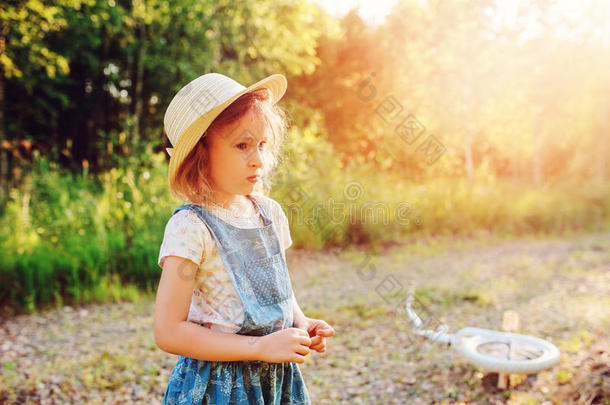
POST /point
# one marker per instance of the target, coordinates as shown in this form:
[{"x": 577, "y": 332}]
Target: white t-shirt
[{"x": 214, "y": 302}]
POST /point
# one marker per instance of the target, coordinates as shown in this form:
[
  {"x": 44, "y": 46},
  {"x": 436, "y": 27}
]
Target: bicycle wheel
[{"x": 505, "y": 352}]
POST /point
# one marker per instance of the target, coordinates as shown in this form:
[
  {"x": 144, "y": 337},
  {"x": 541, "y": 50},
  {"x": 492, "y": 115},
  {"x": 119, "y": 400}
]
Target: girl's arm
[
  {"x": 174, "y": 334},
  {"x": 299, "y": 316},
  {"x": 317, "y": 329}
]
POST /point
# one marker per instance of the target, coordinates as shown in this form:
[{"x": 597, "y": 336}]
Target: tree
[
  {"x": 24, "y": 55},
  {"x": 106, "y": 70}
]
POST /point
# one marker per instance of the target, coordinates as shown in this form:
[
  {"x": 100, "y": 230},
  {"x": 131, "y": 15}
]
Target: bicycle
[{"x": 495, "y": 351}]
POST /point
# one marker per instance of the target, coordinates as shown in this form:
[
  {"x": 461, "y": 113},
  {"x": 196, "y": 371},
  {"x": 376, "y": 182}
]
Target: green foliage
[
  {"x": 81, "y": 238},
  {"x": 95, "y": 63},
  {"x": 24, "y": 27},
  {"x": 329, "y": 203},
  {"x": 88, "y": 82},
  {"x": 76, "y": 239}
]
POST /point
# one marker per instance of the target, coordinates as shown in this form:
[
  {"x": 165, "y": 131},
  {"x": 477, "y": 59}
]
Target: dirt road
[{"x": 559, "y": 286}]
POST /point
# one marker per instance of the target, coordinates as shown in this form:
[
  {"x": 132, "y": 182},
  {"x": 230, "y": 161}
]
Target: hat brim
[{"x": 276, "y": 84}]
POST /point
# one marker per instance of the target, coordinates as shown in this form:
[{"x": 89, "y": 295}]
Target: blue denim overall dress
[{"x": 256, "y": 265}]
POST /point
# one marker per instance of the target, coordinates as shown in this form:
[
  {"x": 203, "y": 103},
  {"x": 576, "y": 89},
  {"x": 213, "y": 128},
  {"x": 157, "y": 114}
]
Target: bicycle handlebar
[{"x": 440, "y": 335}]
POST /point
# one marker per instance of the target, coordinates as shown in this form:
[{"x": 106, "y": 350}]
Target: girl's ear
[{"x": 204, "y": 139}]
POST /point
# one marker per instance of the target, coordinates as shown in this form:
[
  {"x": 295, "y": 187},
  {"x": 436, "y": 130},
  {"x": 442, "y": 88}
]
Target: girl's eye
[{"x": 244, "y": 145}]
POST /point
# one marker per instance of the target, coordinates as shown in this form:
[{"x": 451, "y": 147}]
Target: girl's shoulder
[
  {"x": 185, "y": 236},
  {"x": 185, "y": 218},
  {"x": 266, "y": 200},
  {"x": 186, "y": 224},
  {"x": 275, "y": 211},
  {"x": 271, "y": 207}
]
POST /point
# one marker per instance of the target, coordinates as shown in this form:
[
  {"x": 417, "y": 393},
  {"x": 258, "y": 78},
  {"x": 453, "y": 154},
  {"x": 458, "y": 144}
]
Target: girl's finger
[
  {"x": 319, "y": 348},
  {"x": 302, "y": 332},
  {"x": 305, "y": 341},
  {"x": 319, "y": 345},
  {"x": 327, "y": 332},
  {"x": 323, "y": 325}
]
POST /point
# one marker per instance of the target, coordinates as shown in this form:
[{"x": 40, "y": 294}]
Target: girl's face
[{"x": 237, "y": 155}]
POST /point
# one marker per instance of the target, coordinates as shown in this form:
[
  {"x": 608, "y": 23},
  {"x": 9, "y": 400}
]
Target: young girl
[{"x": 225, "y": 302}]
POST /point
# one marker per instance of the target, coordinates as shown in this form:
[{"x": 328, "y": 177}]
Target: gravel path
[{"x": 560, "y": 287}]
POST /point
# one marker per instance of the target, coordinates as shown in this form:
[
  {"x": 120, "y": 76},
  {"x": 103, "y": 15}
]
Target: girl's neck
[
  {"x": 228, "y": 202},
  {"x": 241, "y": 206}
]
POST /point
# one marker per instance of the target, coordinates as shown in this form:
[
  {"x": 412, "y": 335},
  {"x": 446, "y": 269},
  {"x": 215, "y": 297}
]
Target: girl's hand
[
  {"x": 286, "y": 345},
  {"x": 318, "y": 330}
]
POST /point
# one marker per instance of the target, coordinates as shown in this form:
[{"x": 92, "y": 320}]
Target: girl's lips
[{"x": 253, "y": 179}]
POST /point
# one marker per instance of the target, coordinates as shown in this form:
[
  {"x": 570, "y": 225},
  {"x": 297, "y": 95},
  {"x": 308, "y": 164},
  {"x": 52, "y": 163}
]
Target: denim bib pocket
[{"x": 269, "y": 280}]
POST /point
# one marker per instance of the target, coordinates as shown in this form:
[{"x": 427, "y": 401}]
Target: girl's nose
[{"x": 256, "y": 158}]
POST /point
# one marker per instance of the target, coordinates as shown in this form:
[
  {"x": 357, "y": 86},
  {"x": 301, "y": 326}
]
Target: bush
[{"x": 71, "y": 239}]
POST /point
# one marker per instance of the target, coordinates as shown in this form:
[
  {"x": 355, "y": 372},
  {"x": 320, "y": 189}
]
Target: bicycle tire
[{"x": 472, "y": 344}]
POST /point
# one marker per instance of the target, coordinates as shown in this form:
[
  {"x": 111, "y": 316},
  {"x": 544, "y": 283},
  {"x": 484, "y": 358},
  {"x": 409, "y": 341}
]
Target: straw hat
[{"x": 197, "y": 104}]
